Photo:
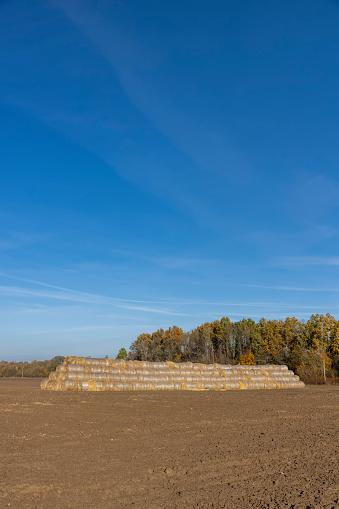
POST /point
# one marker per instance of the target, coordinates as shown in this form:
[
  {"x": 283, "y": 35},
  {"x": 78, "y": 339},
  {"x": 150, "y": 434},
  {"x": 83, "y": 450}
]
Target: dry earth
[{"x": 233, "y": 449}]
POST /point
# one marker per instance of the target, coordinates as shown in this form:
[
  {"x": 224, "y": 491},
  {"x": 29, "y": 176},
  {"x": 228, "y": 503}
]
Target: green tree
[{"x": 122, "y": 354}]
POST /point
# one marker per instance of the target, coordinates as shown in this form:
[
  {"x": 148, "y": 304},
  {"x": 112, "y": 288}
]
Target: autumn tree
[
  {"x": 172, "y": 344},
  {"x": 200, "y": 346},
  {"x": 272, "y": 343},
  {"x": 223, "y": 341},
  {"x": 300, "y": 345},
  {"x": 318, "y": 331},
  {"x": 247, "y": 336},
  {"x": 294, "y": 338}
]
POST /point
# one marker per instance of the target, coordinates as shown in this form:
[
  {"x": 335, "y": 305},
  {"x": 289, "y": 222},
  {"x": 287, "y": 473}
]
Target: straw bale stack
[{"x": 86, "y": 374}]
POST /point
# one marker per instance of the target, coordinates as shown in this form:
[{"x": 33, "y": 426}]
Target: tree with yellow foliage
[
  {"x": 272, "y": 340},
  {"x": 247, "y": 359}
]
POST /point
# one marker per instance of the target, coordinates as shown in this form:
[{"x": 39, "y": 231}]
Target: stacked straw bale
[{"x": 86, "y": 374}]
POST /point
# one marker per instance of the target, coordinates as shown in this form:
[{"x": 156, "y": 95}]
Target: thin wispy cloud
[
  {"x": 303, "y": 261},
  {"x": 66, "y": 293},
  {"x": 292, "y": 288},
  {"x": 303, "y": 237},
  {"x": 208, "y": 146},
  {"x": 18, "y": 240},
  {"x": 145, "y": 171},
  {"x": 203, "y": 147},
  {"x": 84, "y": 329},
  {"x": 182, "y": 263},
  {"x": 69, "y": 329},
  {"x": 310, "y": 195},
  {"x": 171, "y": 262},
  {"x": 154, "y": 310}
]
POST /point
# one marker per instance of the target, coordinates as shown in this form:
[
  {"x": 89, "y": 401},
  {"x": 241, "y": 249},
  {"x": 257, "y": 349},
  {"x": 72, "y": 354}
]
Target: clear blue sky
[{"x": 164, "y": 163}]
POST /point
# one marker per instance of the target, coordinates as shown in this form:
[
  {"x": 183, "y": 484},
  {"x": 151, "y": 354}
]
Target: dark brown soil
[{"x": 234, "y": 449}]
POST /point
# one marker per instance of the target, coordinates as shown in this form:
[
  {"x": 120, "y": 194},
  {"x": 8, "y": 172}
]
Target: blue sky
[{"x": 164, "y": 163}]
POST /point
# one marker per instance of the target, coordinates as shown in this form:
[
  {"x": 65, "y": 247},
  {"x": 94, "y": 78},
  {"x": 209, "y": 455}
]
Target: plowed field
[{"x": 233, "y": 449}]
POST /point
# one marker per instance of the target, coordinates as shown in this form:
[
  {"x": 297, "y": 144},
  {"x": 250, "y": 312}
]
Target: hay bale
[{"x": 88, "y": 374}]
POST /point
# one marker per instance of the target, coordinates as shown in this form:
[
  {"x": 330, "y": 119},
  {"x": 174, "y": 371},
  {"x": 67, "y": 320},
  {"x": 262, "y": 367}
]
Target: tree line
[
  {"x": 30, "y": 369},
  {"x": 310, "y": 348}
]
